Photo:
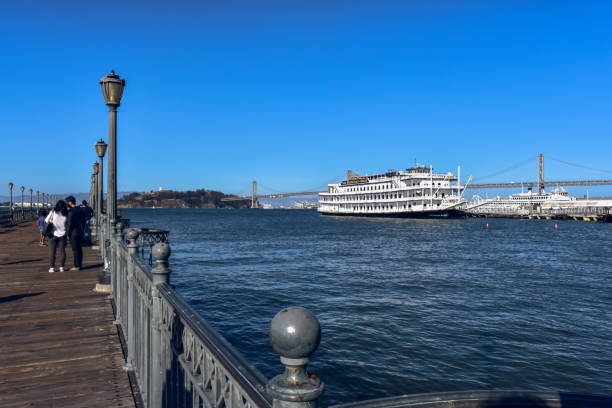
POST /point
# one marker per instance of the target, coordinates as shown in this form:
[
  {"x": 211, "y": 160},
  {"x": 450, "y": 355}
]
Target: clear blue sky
[{"x": 293, "y": 93}]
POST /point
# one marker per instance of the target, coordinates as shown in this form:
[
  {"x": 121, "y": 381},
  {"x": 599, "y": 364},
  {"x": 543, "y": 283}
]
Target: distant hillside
[{"x": 181, "y": 199}]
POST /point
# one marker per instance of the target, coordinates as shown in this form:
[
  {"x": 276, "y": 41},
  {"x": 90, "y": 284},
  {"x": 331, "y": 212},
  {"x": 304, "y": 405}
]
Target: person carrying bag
[{"x": 55, "y": 230}]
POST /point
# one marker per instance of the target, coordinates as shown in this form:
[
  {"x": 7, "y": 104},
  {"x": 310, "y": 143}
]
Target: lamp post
[
  {"x": 101, "y": 151},
  {"x": 112, "y": 90},
  {"x": 94, "y": 179},
  {"x": 30, "y": 202},
  {"x": 22, "y": 214},
  {"x": 11, "y": 199}
]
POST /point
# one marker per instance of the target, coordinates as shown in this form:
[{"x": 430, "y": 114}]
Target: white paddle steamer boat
[{"x": 415, "y": 192}]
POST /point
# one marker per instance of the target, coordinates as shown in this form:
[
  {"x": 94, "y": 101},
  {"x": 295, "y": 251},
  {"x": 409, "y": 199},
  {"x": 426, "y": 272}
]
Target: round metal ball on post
[
  {"x": 112, "y": 90},
  {"x": 295, "y": 334},
  {"x": 161, "y": 252}
]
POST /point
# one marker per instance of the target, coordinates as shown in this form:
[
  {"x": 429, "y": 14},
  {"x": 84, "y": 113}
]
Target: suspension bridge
[{"x": 539, "y": 184}]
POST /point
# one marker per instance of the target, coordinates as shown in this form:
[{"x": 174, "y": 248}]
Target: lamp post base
[
  {"x": 100, "y": 288},
  {"x": 103, "y": 285}
]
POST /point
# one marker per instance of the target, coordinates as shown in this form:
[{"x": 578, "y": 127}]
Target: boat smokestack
[{"x": 349, "y": 174}]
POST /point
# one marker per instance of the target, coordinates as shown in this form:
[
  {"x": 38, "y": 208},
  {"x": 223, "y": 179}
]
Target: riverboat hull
[{"x": 405, "y": 214}]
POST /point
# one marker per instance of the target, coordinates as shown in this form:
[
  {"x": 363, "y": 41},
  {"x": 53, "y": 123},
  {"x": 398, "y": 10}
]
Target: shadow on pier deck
[{"x": 59, "y": 344}]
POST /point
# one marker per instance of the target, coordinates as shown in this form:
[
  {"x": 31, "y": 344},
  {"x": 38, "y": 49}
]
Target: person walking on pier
[
  {"x": 41, "y": 226},
  {"x": 88, "y": 214},
  {"x": 74, "y": 228},
  {"x": 57, "y": 217}
]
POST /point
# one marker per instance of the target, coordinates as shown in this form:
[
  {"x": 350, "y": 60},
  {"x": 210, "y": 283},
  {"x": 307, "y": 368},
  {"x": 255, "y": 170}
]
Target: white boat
[
  {"x": 415, "y": 192},
  {"x": 521, "y": 203}
]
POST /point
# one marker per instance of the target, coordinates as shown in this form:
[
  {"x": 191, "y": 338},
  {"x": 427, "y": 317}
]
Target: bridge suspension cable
[
  {"x": 507, "y": 169},
  {"x": 578, "y": 165}
]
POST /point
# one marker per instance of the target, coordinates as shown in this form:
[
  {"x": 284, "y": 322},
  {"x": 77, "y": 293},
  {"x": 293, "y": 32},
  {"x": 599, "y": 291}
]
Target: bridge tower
[
  {"x": 254, "y": 203},
  {"x": 540, "y": 173}
]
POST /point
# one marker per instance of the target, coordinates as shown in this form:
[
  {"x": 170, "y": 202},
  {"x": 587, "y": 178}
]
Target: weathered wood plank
[{"x": 59, "y": 345}]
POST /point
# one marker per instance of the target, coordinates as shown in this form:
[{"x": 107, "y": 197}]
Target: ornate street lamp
[
  {"x": 100, "y": 151},
  {"x": 30, "y": 201},
  {"x": 11, "y": 198},
  {"x": 94, "y": 182},
  {"x": 37, "y": 202},
  {"x": 112, "y": 90},
  {"x": 22, "y": 188}
]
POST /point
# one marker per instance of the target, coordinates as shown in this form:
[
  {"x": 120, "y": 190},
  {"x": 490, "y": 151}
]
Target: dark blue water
[{"x": 405, "y": 306}]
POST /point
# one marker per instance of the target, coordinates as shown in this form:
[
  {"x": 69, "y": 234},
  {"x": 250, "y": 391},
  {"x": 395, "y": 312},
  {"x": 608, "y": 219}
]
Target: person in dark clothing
[
  {"x": 88, "y": 213},
  {"x": 75, "y": 232}
]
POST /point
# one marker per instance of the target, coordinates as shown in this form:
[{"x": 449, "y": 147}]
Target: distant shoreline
[{"x": 201, "y": 198}]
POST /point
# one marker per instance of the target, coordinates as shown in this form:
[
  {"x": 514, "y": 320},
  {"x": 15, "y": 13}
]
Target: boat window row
[
  {"x": 380, "y": 207},
  {"x": 411, "y": 194},
  {"x": 378, "y": 187},
  {"x": 367, "y": 188}
]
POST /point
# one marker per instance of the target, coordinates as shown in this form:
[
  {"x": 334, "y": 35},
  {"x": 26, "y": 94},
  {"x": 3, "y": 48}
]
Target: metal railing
[
  {"x": 9, "y": 216},
  {"x": 179, "y": 360}
]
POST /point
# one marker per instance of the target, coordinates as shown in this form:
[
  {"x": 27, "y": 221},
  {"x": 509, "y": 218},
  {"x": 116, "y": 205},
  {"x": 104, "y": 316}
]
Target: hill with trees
[{"x": 181, "y": 199}]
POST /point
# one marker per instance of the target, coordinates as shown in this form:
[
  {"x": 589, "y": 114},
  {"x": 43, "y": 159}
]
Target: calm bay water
[{"x": 406, "y": 306}]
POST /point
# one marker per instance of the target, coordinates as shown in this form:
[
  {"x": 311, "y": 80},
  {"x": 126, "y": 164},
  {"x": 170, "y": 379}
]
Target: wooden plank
[{"x": 59, "y": 344}]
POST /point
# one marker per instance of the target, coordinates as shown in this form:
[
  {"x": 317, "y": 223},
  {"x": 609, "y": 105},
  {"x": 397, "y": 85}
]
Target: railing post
[
  {"x": 132, "y": 236},
  {"x": 161, "y": 274},
  {"x": 116, "y": 268},
  {"x": 295, "y": 334}
]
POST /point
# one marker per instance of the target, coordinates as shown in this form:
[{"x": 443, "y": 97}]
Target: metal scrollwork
[{"x": 168, "y": 316}]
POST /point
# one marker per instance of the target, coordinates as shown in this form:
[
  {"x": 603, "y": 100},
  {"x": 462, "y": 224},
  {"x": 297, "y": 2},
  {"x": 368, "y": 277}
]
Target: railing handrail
[{"x": 497, "y": 399}]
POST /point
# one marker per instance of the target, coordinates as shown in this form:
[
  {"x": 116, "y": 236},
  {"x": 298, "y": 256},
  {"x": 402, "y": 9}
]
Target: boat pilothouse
[{"x": 415, "y": 192}]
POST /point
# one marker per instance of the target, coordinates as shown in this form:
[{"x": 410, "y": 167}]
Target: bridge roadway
[
  {"x": 59, "y": 346},
  {"x": 533, "y": 184}
]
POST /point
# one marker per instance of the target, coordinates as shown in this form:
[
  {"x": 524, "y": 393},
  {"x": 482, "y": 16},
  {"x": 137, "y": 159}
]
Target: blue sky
[{"x": 293, "y": 94}]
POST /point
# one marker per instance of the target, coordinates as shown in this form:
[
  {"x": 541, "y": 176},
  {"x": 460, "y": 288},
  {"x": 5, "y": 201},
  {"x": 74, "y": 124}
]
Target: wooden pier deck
[{"x": 58, "y": 344}]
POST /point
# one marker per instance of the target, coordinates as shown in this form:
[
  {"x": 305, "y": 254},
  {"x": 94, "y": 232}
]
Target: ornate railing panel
[{"x": 209, "y": 369}]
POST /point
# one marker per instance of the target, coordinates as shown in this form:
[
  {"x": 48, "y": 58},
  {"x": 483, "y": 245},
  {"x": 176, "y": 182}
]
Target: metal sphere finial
[
  {"x": 132, "y": 234},
  {"x": 295, "y": 333},
  {"x": 161, "y": 251}
]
